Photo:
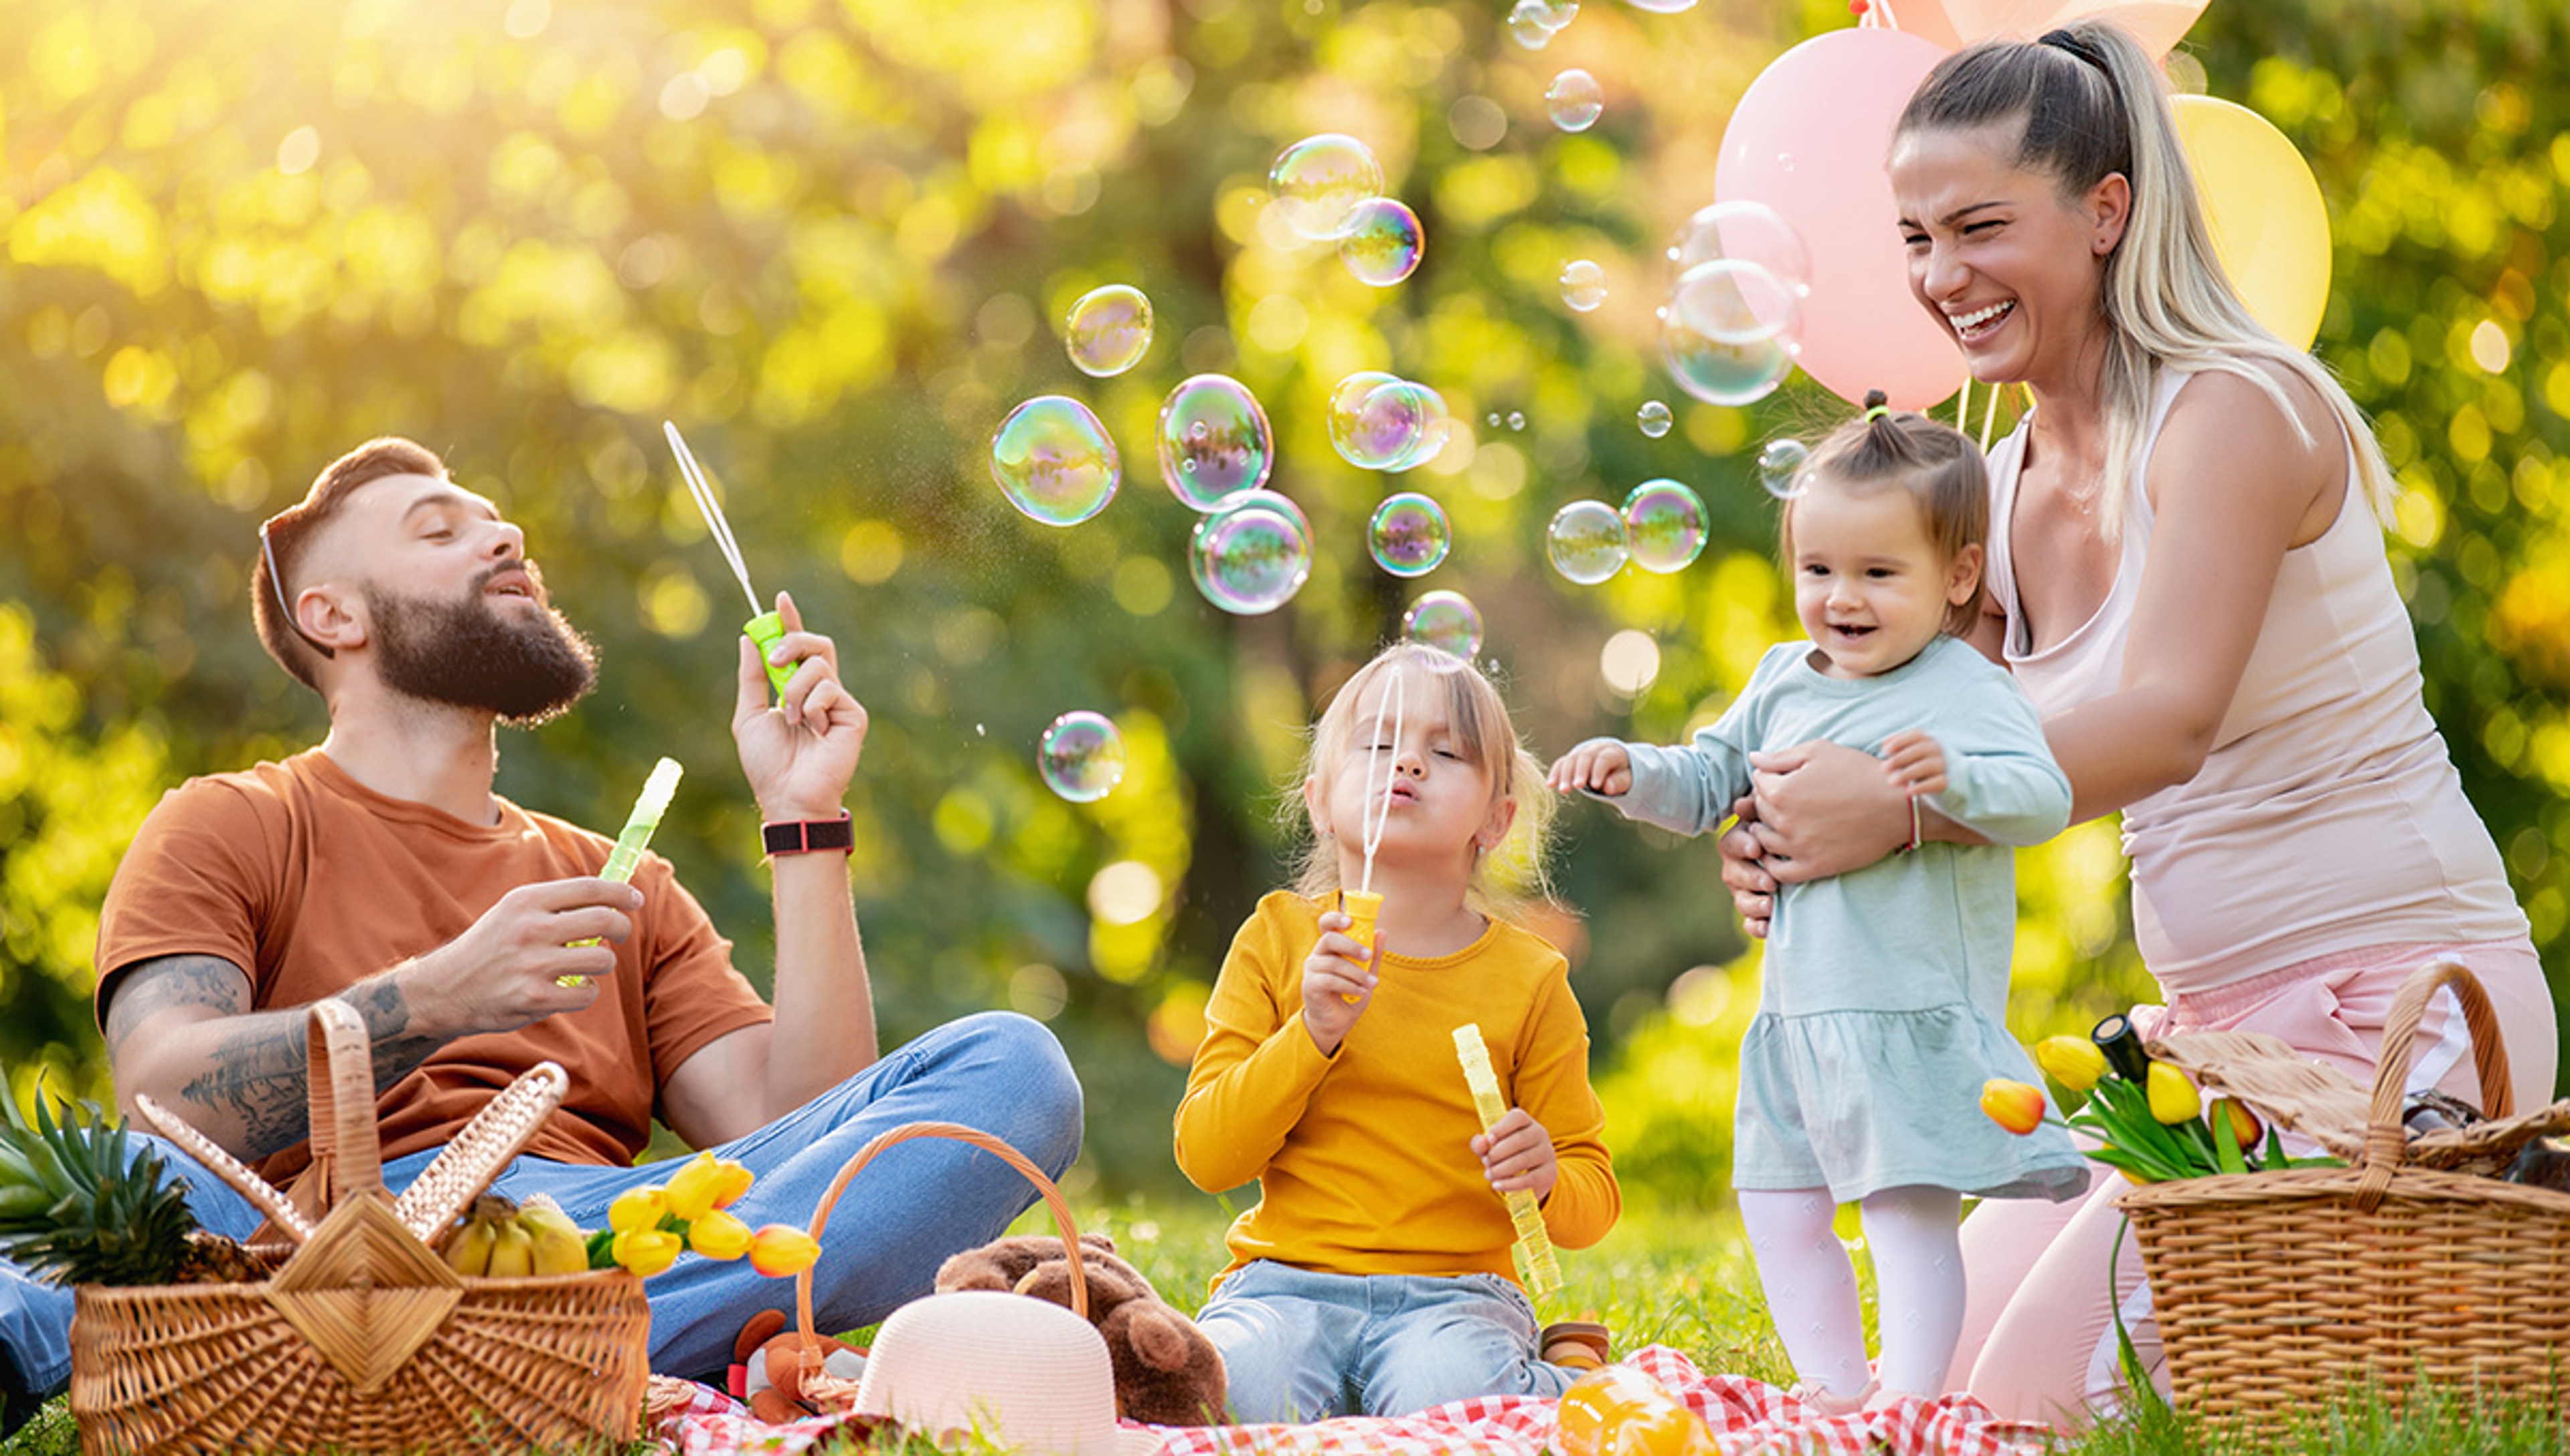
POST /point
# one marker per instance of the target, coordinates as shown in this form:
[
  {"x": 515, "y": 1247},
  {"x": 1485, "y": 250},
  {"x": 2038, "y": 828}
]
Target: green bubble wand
[
  {"x": 621, "y": 860},
  {"x": 764, "y": 628}
]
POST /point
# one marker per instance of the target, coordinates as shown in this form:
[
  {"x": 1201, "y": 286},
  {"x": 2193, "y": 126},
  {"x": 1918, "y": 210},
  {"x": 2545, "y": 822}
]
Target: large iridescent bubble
[
  {"x": 1663, "y": 526},
  {"x": 1409, "y": 535},
  {"x": 1109, "y": 330},
  {"x": 1746, "y": 232},
  {"x": 1780, "y": 467},
  {"x": 1447, "y": 622},
  {"x": 1736, "y": 302},
  {"x": 1720, "y": 372},
  {"x": 1585, "y": 541},
  {"x": 1383, "y": 242},
  {"x": 1319, "y": 180},
  {"x": 1053, "y": 460},
  {"x": 1380, "y": 421},
  {"x": 1215, "y": 441},
  {"x": 1574, "y": 100},
  {"x": 1252, "y": 554},
  {"x": 1082, "y": 756}
]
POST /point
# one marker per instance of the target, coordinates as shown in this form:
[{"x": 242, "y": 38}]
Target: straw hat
[{"x": 1027, "y": 1373}]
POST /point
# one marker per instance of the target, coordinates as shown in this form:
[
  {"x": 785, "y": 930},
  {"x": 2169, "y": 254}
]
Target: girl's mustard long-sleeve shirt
[{"x": 1364, "y": 1159}]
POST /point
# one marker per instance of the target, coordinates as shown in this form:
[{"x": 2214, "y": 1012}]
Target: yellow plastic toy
[{"x": 1537, "y": 1270}]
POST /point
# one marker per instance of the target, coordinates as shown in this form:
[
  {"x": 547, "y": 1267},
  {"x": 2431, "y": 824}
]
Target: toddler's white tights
[{"x": 1915, "y": 1233}]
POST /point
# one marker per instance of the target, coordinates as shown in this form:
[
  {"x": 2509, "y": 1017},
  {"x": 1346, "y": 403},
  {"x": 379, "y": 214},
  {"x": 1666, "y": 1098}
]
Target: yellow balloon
[{"x": 2269, "y": 227}]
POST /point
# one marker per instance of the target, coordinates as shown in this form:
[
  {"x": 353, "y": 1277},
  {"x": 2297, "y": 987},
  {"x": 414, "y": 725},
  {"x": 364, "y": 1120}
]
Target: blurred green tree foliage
[{"x": 834, "y": 242}]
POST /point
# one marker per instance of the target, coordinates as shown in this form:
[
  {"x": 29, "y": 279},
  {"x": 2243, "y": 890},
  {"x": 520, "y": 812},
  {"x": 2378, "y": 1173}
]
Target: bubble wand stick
[
  {"x": 1537, "y": 1270},
  {"x": 764, "y": 628},
  {"x": 1362, "y": 905},
  {"x": 648, "y": 806}
]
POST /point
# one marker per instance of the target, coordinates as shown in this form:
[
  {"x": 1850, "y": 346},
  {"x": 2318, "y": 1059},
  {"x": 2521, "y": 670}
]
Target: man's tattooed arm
[{"x": 181, "y": 1028}]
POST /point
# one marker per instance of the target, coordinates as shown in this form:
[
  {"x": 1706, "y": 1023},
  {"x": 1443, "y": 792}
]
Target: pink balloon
[
  {"x": 2157, "y": 24},
  {"x": 1810, "y": 138},
  {"x": 1926, "y": 19}
]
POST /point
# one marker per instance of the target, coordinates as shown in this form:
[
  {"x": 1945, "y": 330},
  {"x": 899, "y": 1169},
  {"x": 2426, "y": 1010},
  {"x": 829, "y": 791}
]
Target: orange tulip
[
  {"x": 781, "y": 1251},
  {"x": 2017, "y": 1106},
  {"x": 2243, "y": 1123}
]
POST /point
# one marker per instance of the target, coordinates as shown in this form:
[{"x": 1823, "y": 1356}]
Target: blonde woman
[{"x": 2188, "y": 579}]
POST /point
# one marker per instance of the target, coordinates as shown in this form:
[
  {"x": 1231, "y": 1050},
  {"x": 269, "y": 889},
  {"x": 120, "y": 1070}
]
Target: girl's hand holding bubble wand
[
  {"x": 1362, "y": 905},
  {"x": 765, "y": 626},
  {"x": 1537, "y": 1270},
  {"x": 648, "y": 808}
]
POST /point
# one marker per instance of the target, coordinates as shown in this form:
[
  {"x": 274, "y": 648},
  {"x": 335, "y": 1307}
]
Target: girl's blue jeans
[
  {"x": 1299, "y": 1345},
  {"x": 899, "y": 1219}
]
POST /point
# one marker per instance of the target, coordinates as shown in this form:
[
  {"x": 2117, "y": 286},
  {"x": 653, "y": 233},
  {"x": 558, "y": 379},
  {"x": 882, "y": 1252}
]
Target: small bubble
[
  {"x": 1445, "y": 620},
  {"x": 1517, "y": 419},
  {"x": 1574, "y": 100},
  {"x": 1053, "y": 460},
  {"x": 1109, "y": 330},
  {"x": 1653, "y": 419},
  {"x": 1583, "y": 285},
  {"x": 1082, "y": 756},
  {"x": 1251, "y": 553},
  {"x": 1383, "y": 243},
  {"x": 1319, "y": 180},
  {"x": 1585, "y": 541},
  {"x": 1780, "y": 467}
]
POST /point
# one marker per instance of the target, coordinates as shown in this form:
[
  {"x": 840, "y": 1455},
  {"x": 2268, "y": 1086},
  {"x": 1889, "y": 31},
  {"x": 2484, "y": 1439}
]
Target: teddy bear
[
  {"x": 1168, "y": 1374},
  {"x": 767, "y": 1368}
]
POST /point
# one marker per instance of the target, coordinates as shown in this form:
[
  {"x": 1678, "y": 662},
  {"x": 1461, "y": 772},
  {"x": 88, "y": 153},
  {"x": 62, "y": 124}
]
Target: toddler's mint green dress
[{"x": 1886, "y": 988}]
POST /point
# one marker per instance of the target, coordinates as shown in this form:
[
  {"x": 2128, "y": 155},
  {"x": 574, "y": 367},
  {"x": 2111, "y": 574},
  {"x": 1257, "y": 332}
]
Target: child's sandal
[{"x": 1576, "y": 1344}]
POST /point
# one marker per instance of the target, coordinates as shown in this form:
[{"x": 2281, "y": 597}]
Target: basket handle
[
  {"x": 2387, "y": 1141},
  {"x": 343, "y": 1082},
  {"x": 810, "y": 1353}
]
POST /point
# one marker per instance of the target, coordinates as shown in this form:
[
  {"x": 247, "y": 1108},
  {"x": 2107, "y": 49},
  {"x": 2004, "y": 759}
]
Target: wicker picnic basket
[
  {"x": 669, "y": 1396},
  {"x": 363, "y": 1340},
  {"x": 2277, "y": 1292}
]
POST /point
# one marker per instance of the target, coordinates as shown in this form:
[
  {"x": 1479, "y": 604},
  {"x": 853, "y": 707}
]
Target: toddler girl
[
  {"x": 1373, "y": 1274},
  {"x": 1884, "y": 991}
]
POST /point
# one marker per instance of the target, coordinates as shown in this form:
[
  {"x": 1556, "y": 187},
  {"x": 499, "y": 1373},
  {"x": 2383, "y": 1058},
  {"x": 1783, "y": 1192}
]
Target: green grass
[{"x": 1685, "y": 1281}]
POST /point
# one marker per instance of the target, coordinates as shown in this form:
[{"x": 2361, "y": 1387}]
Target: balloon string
[
  {"x": 1990, "y": 418},
  {"x": 1378, "y": 807},
  {"x": 714, "y": 522},
  {"x": 1964, "y": 405}
]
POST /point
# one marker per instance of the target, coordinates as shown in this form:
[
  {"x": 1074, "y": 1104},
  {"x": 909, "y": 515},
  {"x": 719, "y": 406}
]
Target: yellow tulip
[
  {"x": 637, "y": 1209},
  {"x": 694, "y": 1187},
  {"x": 734, "y": 1182},
  {"x": 2173, "y": 1098},
  {"x": 718, "y": 1235},
  {"x": 2073, "y": 1061},
  {"x": 781, "y": 1251},
  {"x": 645, "y": 1251},
  {"x": 2017, "y": 1106}
]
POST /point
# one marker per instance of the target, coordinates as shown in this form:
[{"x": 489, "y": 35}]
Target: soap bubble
[
  {"x": 1653, "y": 418},
  {"x": 1575, "y": 98},
  {"x": 1109, "y": 330},
  {"x": 1583, "y": 285},
  {"x": 1517, "y": 419},
  {"x": 1380, "y": 421},
  {"x": 1250, "y": 555},
  {"x": 1585, "y": 541},
  {"x": 1383, "y": 242},
  {"x": 1735, "y": 302},
  {"x": 1409, "y": 535},
  {"x": 1319, "y": 180},
  {"x": 1082, "y": 756},
  {"x": 1780, "y": 467},
  {"x": 1663, "y": 526},
  {"x": 1447, "y": 622},
  {"x": 1531, "y": 24},
  {"x": 1749, "y": 233},
  {"x": 1559, "y": 13},
  {"x": 1215, "y": 441},
  {"x": 1054, "y": 462},
  {"x": 1662, "y": 7},
  {"x": 1717, "y": 372}
]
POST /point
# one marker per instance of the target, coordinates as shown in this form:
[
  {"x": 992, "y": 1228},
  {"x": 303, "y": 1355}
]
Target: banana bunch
[{"x": 500, "y": 1240}]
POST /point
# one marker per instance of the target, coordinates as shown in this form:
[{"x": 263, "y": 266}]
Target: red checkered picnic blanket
[{"x": 1745, "y": 1416}]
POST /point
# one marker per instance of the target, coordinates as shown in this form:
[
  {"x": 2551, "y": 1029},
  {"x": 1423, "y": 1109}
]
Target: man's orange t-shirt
[{"x": 311, "y": 881}]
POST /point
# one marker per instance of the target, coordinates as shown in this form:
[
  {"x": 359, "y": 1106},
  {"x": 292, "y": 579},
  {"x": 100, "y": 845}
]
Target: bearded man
[{"x": 476, "y": 939}]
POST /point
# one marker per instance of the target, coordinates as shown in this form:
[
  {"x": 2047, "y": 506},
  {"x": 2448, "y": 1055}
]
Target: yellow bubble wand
[
  {"x": 648, "y": 806},
  {"x": 1537, "y": 1270},
  {"x": 1362, "y": 905},
  {"x": 764, "y": 628}
]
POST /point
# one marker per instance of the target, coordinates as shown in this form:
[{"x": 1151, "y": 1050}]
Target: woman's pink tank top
[{"x": 2327, "y": 816}]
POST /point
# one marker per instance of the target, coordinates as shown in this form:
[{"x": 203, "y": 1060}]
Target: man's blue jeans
[{"x": 909, "y": 1209}]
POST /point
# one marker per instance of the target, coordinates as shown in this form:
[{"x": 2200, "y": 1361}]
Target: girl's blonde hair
[
  {"x": 1939, "y": 466},
  {"x": 2093, "y": 105},
  {"x": 1512, "y": 873}
]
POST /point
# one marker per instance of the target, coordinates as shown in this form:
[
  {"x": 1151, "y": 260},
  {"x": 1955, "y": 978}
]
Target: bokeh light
[
  {"x": 1053, "y": 460},
  {"x": 1629, "y": 662}
]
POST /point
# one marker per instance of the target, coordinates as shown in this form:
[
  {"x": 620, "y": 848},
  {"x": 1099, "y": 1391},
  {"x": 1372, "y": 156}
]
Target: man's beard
[{"x": 466, "y": 654}]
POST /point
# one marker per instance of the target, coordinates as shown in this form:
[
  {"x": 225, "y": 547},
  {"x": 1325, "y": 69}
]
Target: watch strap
[{"x": 803, "y": 836}]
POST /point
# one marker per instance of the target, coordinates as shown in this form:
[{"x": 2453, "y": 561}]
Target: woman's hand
[
  {"x": 1744, "y": 870},
  {"x": 1824, "y": 809},
  {"x": 1516, "y": 1152},
  {"x": 1338, "y": 982}
]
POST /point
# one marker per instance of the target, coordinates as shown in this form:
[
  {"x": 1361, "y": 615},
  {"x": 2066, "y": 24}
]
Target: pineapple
[{"x": 74, "y": 1209}]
